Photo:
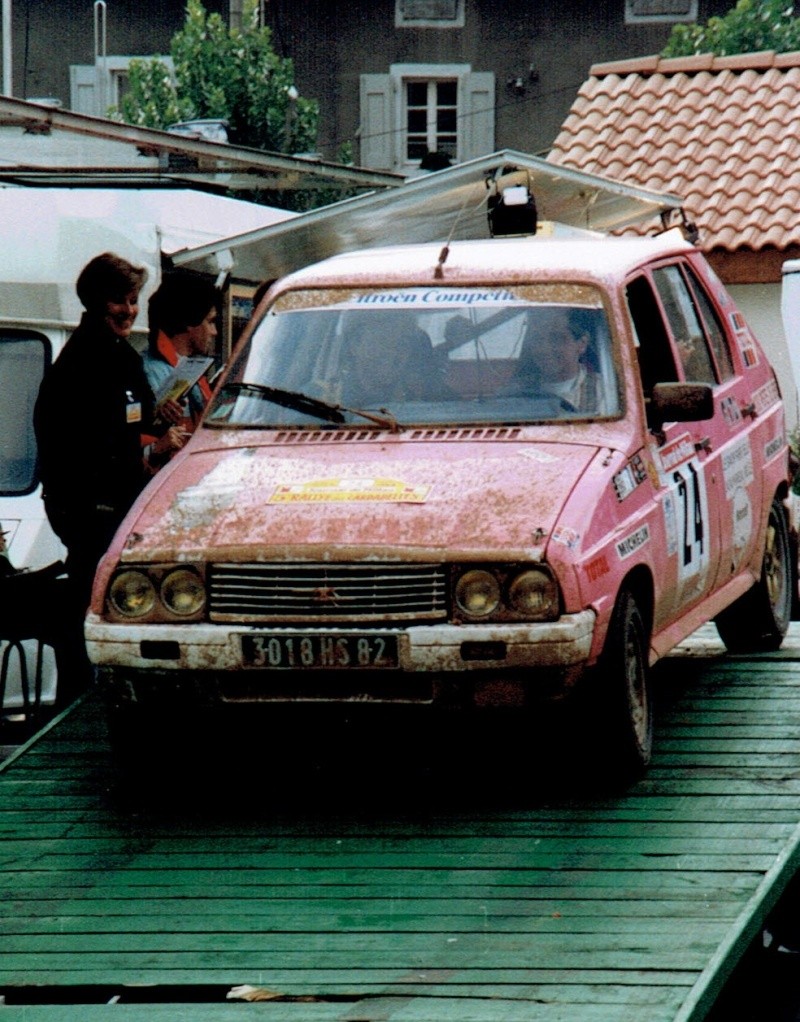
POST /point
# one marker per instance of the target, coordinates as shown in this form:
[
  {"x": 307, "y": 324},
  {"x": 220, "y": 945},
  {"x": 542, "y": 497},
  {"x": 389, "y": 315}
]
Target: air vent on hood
[{"x": 341, "y": 436}]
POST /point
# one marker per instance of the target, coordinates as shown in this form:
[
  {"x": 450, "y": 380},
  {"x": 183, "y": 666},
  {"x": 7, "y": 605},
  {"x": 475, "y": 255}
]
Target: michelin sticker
[{"x": 628, "y": 546}]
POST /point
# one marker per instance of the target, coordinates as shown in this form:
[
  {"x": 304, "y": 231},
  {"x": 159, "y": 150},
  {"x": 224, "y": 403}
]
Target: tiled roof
[{"x": 722, "y": 132}]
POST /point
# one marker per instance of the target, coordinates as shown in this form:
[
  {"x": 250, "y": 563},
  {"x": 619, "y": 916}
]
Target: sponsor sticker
[
  {"x": 670, "y": 523},
  {"x": 635, "y": 541},
  {"x": 731, "y": 412},
  {"x": 675, "y": 453},
  {"x": 742, "y": 523},
  {"x": 773, "y": 447},
  {"x": 765, "y": 396},
  {"x": 437, "y": 296},
  {"x": 566, "y": 536},
  {"x": 629, "y": 477},
  {"x": 624, "y": 483},
  {"x": 737, "y": 467},
  {"x": 596, "y": 568},
  {"x": 328, "y": 491},
  {"x": 747, "y": 344}
]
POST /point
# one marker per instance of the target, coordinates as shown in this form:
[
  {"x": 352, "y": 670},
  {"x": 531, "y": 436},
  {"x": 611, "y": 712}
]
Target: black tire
[
  {"x": 757, "y": 622},
  {"x": 615, "y": 712}
]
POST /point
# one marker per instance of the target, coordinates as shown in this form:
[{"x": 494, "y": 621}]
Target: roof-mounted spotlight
[{"x": 511, "y": 205}]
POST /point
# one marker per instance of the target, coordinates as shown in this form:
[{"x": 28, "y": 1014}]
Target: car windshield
[{"x": 425, "y": 356}]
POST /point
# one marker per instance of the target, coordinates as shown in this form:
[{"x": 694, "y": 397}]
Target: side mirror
[{"x": 680, "y": 402}]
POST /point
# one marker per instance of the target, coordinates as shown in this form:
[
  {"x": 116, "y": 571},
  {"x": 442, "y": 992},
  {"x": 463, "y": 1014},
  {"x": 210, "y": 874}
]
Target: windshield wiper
[{"x": 326, "y": 410}]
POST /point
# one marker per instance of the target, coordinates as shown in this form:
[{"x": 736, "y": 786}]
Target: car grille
[{"x": 327, "y": 592}]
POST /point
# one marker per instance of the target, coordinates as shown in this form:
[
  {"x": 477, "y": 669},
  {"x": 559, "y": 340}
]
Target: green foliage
[
  {"x": 224, "y": 73},
  {"x": 751, "y": 26},
  {"x": 151, "y": 100}
]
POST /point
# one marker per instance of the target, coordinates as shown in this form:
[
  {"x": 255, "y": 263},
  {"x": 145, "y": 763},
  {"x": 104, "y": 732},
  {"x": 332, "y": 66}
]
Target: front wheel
[
  {"x": 617, "y": 708},
  {"x": 758, "y": 620}
]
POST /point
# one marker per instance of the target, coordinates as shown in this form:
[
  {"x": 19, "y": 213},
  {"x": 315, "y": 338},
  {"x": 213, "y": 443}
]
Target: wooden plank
[{"x": 553, "y": 905}]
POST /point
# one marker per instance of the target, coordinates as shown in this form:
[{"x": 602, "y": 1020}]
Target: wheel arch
[{"x": 639, "y": 582}]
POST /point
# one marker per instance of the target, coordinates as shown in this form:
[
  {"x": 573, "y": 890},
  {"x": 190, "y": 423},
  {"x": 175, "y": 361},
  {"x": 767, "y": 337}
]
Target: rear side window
[
  {"x": 24, "y": 356},
  {"x": 713, "y": 327},
  {"x": 685, "y": 325}
]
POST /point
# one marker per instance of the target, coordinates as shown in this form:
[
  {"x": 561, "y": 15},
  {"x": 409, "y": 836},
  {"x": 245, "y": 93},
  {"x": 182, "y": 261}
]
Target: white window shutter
[
  {"x": 477, "y": 137},
  {"x": 377, "y": 123}
]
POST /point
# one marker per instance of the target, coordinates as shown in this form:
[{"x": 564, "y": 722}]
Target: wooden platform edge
[
  {"x": 719, "y": 968},
  {"x": 42, "y": 732}
]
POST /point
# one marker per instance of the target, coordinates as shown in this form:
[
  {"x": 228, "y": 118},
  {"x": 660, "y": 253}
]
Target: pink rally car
[{"x": 526, "y": 473}]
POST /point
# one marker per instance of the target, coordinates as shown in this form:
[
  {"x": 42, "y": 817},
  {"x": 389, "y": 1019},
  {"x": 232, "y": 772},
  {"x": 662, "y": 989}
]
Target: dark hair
[
  {"x": 108, "y": 277},
  {"x": 183, "y": 299},
  {"x": 582, "y": 321}
]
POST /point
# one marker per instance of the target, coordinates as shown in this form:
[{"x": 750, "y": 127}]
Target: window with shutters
[
  {"x": 637, "y": 11},
  {"x": 418, "y": 110}
]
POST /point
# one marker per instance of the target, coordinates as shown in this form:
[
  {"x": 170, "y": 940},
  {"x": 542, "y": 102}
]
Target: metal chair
[{"x": 29, "y": 606}]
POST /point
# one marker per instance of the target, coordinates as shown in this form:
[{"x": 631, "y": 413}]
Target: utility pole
[{"x": 8, "y": 86}]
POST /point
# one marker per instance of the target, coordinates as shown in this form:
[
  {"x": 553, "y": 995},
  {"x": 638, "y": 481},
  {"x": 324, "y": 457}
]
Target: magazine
[{"x": 182, "y": 378}]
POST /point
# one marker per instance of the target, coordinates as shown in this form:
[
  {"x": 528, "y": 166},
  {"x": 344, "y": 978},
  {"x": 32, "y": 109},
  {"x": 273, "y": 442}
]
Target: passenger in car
[{"x": 390, "y": 359}]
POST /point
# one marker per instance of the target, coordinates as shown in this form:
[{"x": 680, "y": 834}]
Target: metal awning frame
[
  {"x": 438, "y": 207},
  {"x": 206, "y": 164}
]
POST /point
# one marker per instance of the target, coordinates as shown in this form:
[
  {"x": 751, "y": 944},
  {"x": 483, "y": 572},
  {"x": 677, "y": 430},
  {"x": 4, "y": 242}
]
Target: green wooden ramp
[{"x": 424, "y": 895}]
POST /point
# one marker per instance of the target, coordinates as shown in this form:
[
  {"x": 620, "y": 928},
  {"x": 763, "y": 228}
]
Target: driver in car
[{"x": 553, "y": 361}]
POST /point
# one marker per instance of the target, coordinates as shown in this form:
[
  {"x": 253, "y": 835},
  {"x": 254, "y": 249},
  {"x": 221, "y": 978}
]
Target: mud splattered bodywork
[{"x": 440, "y": 487}]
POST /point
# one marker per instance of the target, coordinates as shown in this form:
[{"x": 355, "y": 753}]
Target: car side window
[
  {"x": 656, "y": 358},
  {"x": 684, "y": 324},
  {"x": 713, "y": 327}
]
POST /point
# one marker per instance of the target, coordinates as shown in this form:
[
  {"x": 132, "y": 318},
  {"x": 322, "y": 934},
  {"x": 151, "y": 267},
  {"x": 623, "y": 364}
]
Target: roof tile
[{"x": 724, "y": 132}]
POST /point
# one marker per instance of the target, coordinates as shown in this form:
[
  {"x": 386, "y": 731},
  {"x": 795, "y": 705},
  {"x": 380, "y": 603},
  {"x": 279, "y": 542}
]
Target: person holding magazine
[{"x": 182, "y": 316}]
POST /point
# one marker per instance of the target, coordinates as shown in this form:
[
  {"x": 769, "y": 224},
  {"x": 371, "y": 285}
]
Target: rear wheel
[{"x": 758, "y": 620}]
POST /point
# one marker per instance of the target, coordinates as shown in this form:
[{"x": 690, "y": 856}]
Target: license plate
[{"x": 322, "y": 652}]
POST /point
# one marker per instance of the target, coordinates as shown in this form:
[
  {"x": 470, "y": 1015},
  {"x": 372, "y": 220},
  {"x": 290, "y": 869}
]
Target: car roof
[{"x": 505, "y": 260}]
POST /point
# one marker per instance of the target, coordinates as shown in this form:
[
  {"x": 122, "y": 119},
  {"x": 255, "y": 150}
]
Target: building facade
[{"x": 395, "y": 79}]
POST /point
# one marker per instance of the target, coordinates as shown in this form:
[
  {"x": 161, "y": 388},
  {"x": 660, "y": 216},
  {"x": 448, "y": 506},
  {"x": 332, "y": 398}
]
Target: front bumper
[{"x": 440, "y": 648}]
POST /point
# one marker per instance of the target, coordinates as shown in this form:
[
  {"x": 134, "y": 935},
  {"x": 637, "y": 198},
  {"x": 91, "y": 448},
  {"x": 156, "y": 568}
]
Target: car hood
[{"x": 357, "y": 498}]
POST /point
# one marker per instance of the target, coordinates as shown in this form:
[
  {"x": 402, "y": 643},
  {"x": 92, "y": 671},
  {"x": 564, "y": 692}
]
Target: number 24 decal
[{"x": 689, "y": 487}]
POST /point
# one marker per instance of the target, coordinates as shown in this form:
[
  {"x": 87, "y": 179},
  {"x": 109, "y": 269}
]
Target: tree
[
  {"x": 224, "y": 73},
  {"x": 752, "y": 25}
]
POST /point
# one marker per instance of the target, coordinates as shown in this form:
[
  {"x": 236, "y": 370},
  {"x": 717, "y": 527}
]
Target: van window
[
  {"x": 457, "y": 355},
  {"x": 24, "y": 356}
]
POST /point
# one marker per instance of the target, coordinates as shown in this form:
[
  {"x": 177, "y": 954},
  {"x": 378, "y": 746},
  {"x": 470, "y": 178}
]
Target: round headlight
[
  {"x": 534, "y": 594},
  {"x": 183, "y": 593},
  {"x": 477, "y": 593},
  {"x": 132, "y": 594}
]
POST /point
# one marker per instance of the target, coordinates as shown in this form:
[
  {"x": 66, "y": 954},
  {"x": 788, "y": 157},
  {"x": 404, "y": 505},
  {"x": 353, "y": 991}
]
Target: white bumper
[{"x": 218, "y": 647}]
